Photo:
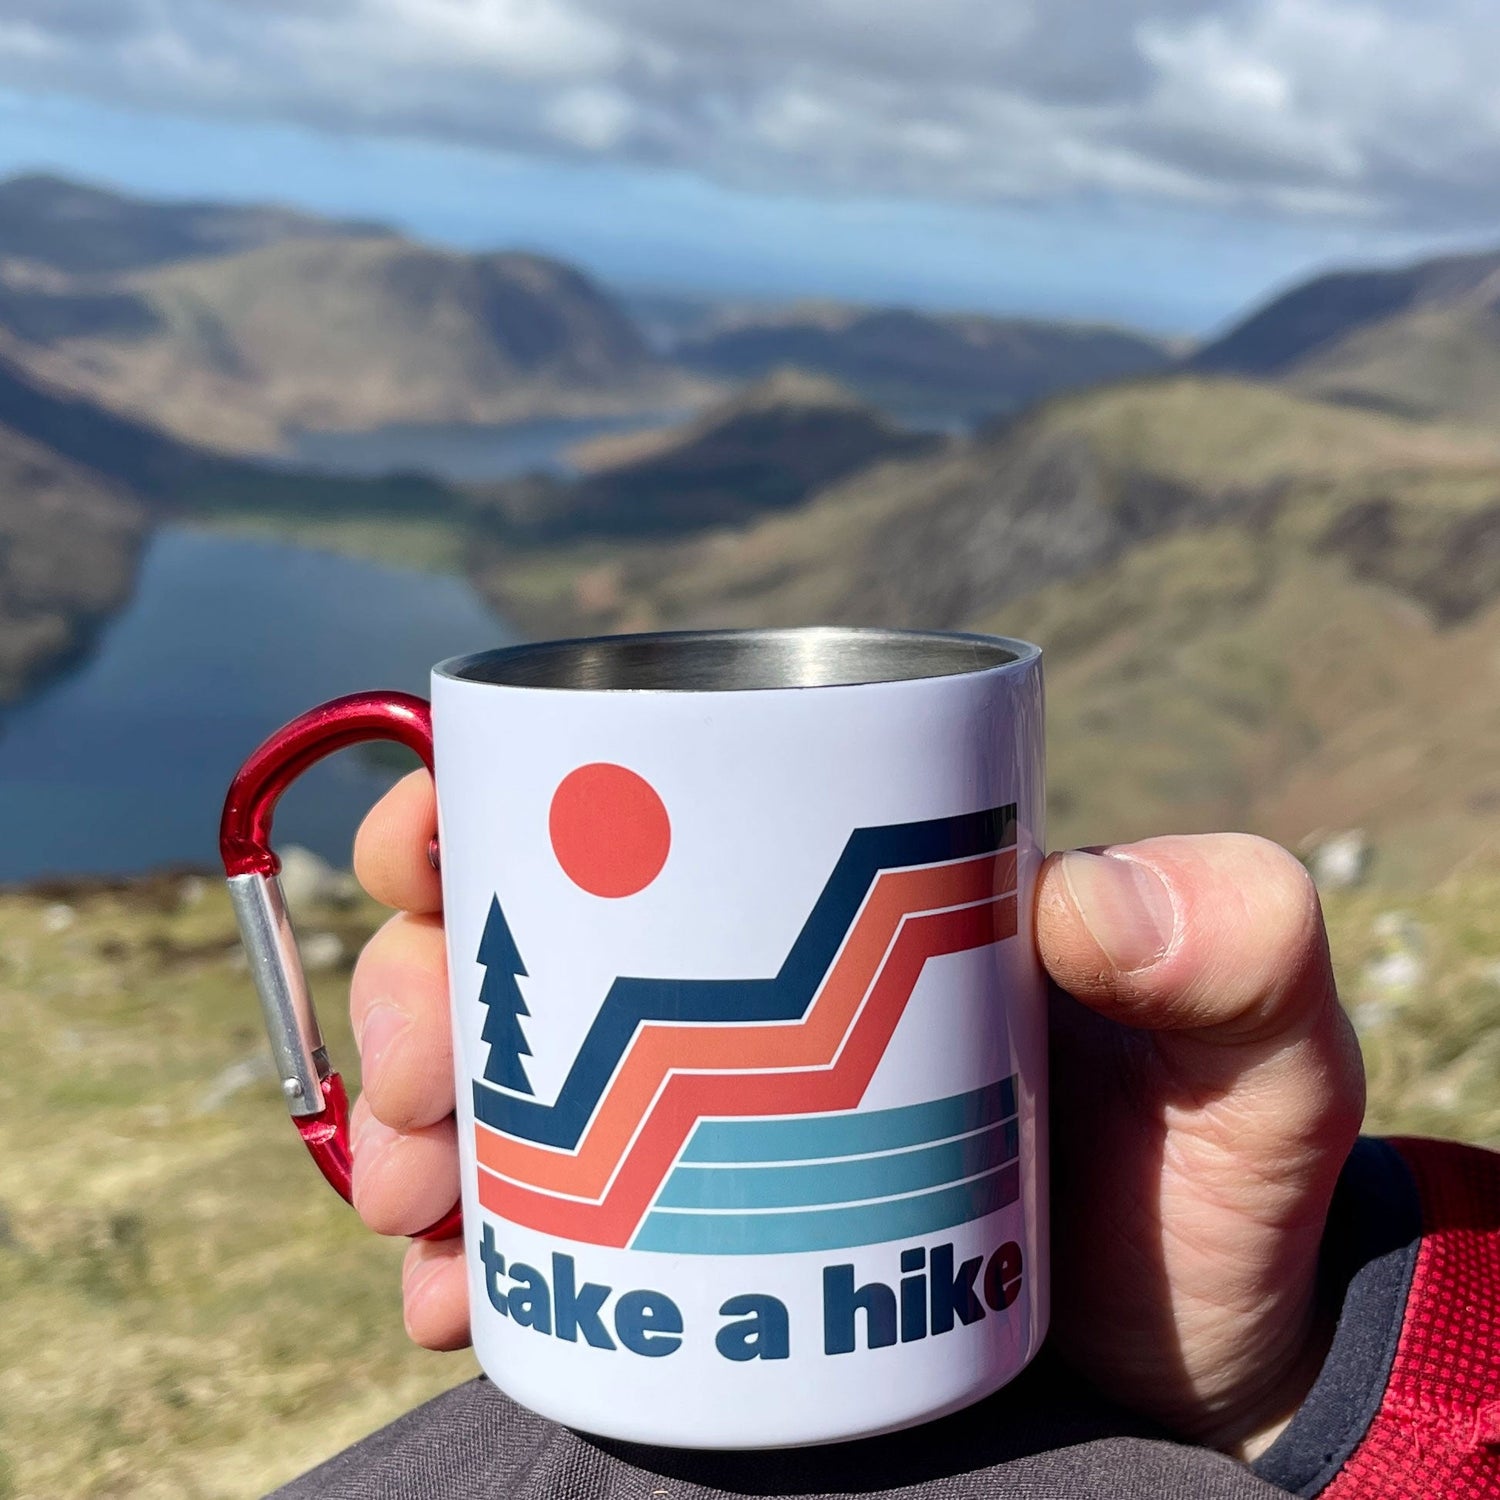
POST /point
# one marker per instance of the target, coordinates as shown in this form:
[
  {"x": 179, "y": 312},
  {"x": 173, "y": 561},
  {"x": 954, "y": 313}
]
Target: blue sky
[{"x": 1159, "y": 162}]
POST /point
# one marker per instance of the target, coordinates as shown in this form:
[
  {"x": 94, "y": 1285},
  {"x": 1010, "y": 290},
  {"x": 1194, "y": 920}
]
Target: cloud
[{"x": 1377, "y": 112}]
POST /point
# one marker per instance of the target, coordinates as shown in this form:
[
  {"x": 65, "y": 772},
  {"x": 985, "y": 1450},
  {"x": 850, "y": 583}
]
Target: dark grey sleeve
[{"x": 1042, "y": 1438}]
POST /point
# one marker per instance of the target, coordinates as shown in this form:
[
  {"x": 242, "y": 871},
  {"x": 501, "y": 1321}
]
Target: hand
[{"x": 1205, "y": 1093}]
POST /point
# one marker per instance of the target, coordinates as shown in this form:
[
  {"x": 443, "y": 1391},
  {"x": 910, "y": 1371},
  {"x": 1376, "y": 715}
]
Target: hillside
[
  {"x": 80, "y": 228},
  {"x": 1423, "y": 339},
  {"x": 767, "y": 449},
  {"x": 1441, "y": 361},
  {"x": 69, "y": 543},
  {"x": 339, "y": 333},
  {"x": 923, "y": 362},
  {"x": 1317, "y": 314},
  {"x": 1258, "y": 610}
]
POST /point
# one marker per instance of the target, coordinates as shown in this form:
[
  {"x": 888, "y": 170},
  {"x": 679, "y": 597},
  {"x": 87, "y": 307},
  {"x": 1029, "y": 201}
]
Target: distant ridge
[
  {"x": 902, "y": 358},
  {"x": 1421, "y": 339},
  {"x": 766, "y": 449},
  {"x": 234, "y": 327},
  {"x": 82, "y": 228}
]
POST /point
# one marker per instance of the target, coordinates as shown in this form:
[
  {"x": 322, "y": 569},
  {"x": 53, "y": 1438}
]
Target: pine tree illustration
[{"x": 500, "y": 992}]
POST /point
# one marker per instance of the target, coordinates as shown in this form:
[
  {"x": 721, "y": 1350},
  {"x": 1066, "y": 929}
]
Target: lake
[
  {"x": 123, "y": 764},
  {"x": 465, "y": 453}
]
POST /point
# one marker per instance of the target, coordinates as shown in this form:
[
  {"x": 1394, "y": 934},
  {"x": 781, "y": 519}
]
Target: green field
[
  {"x": 431, "y": 544},
  {"x": 192, "y": 1314}
]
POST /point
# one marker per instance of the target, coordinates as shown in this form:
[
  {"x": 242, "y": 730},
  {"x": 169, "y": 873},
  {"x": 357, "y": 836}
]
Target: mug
[{"x": 750, "y": 1032}]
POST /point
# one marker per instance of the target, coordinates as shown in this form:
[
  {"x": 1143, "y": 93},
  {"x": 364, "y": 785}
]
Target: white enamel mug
[{"x": 750, "y": 1029}]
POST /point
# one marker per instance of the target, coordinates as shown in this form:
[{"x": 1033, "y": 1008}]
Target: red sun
[{"x": 609, "y": 830}]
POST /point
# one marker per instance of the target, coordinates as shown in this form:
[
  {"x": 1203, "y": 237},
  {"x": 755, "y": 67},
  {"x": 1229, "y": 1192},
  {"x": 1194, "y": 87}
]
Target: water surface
[{"x": 123, "y": 764}]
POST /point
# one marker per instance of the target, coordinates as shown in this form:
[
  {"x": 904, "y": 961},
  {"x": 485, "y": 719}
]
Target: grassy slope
[
  {"x": 191, "y": 1313},
  {"x": 1217, "y": 436},
  {"x": 357, "y": 332},
  {"x": 432, "y": 544},
  {"x": 1224, "y": 680},
  {"x": 1230, "y": 673},
  {"x": 194, "y": 1316},
  {"x": 1442, "y": 361}
]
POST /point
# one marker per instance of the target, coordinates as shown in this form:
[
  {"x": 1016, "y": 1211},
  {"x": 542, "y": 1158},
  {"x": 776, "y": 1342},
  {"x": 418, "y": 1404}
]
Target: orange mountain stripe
[
  {"x": 688, "y": 1097},
  {"x": 659, "y": 1048}
]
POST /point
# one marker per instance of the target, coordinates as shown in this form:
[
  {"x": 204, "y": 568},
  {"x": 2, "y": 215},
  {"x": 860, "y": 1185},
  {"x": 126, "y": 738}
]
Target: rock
[
  {"x": 1400, "y": 963},
  {"x": 308, "y": 878},
  {"x": 235, "y": 1079},
  {"x": 191, "y": 891},
  {"x": 321, "y": 951},
  {"x": 1340, "y": 862},
  {"x": 58, "y": 918}
]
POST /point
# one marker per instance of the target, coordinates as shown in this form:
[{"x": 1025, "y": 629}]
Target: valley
[{"x": 1266, "y": 579}]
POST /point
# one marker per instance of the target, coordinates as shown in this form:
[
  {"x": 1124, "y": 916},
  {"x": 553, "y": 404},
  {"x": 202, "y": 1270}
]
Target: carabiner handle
[{"x": 313, "y": 1091}]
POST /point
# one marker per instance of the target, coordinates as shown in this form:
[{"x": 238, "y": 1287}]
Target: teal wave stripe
[
  {"x": 847, "y": 1180},
  {"x": 689, "y": 1233},
  {"x": 852, "y": 1133}
]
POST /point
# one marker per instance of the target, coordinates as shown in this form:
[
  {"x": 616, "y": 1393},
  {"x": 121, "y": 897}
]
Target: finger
[
  {"x": 403, "y": 1180},
  {"x": 435, "y": 1290},
  {"x": 1220, "y": 935},
  {"x": 398, "y": 1003},
  {"x": 390, "y": 849}
]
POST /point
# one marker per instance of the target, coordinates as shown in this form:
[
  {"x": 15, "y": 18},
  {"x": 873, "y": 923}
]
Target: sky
[{"x": 1158, "y": 162}]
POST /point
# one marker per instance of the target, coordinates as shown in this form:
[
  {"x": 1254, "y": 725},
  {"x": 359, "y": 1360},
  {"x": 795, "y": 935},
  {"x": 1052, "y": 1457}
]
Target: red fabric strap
[{"x": 1437, "y": 1432}]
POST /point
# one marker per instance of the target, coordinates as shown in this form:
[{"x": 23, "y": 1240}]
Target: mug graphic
[{"x": 749, "y": 1033}]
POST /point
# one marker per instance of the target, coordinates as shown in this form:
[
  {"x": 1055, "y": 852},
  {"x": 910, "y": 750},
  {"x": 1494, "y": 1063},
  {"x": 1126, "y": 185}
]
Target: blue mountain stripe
[
  {"x": 783, "y": 998},
  {"x": 851, "y": 1180},
  {"x": 829, "y": 1228},
  {"x": 817, "y": 1137}
]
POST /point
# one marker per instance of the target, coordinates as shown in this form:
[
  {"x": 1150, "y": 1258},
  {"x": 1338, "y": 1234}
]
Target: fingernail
[
  {"x": 382, "y": 1024},
  {"x": 1126, "y": 907}
]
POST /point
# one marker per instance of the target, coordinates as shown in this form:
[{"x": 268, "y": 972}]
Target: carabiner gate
[{"x": 276, "y": 967}]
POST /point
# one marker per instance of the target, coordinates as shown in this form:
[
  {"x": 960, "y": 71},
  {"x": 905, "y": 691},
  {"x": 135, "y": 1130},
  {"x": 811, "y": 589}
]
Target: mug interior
[{"x": 739, "y": 660}]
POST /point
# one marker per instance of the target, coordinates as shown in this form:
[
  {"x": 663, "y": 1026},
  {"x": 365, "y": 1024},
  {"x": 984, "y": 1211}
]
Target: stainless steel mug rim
[{"x": 707, "y": 661}]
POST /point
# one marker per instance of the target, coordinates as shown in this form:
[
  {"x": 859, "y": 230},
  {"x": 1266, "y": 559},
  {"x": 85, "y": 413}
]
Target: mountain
[
  {"x": 765, "y": 450},
  {"x": 923, "y": 362},
  {"x": 1422, "y": 339},
  {"x": 70, "y": 539},
  {"x": 1259, "y": 610},
  {"x": 232, "y": 327},
  {"x": 340, "y": 333},
  {"x": 1440, "y": 361},
  {"x": 128, "y": 454},
  {"x": 79, "y": 228}
]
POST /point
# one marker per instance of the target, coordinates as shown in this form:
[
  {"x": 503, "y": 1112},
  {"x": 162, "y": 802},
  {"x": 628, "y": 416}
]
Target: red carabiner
[{"x": 314, "y": 1092}]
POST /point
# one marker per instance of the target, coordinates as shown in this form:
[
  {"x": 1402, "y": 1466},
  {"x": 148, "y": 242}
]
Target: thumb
[
  {"x": 1219, "y": 937},
  {"x": 1201, "y": 1115}
]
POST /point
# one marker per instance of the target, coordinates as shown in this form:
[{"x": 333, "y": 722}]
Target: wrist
[{"x": 1245, "y": 1421}]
